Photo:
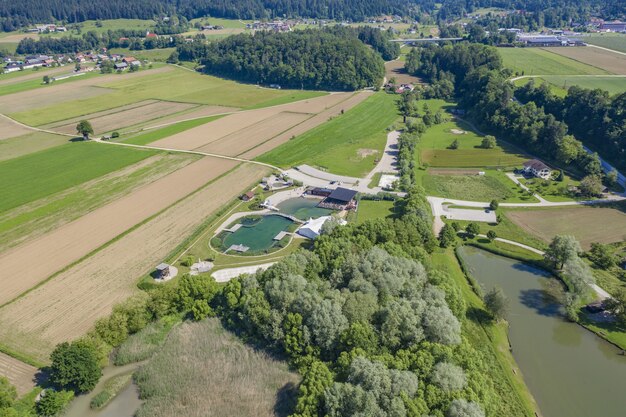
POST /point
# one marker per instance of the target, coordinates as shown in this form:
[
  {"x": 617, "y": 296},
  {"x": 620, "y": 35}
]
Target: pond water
[
  {"x": 125, "y": 404},
  {"x": 259, "y": 234},
  {"x": 303, "y": 208},
  {"x": 570, "y": 371}
]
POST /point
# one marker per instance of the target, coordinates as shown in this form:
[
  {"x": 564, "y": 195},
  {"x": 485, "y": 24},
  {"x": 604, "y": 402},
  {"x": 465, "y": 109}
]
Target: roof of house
[
  {"x": 162, "y": 267},
  {"x": 536, "y": 164},
  {"x": 342, "y": 194},
  {"x": 249, "y": 194},
  {"x": 130, "y": 59}
]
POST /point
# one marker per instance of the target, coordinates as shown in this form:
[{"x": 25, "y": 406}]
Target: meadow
[
  {"x": 370, "y": 210},
  {"x": 614, "y": 41},
  {"x": 347, "y": 144},
  {"x": 467, "y": 187},
  {"x": 204, "y": 362},
  {"x": 560, "y": 83},
  {"x": 536, "y": 61},
  {"x": 169, "y": 84},
  {"x": 40, "y": 174},
  {"x": 612, "y": 62}
]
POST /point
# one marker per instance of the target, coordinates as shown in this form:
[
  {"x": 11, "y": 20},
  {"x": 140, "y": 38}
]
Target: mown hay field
[
  {"x": 166, "y": 83},
  {"x": 611, "y": 62},
  {"x": 338, "y": 145},
  {"x": 615, "y": 41},
  {"x": 204, "y": 370},
  {"x": 588, "y": 224},
  {"x": 611, "y": 83},
  {"x": 537, "y": 61},
  {"x": 68, "y": 305}
]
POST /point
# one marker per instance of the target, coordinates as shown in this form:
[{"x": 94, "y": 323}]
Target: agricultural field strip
[
  {"x": 67, "y": 306},
  {"x": 39, "y": 217},
  {"x": 37, "y": 260},
  {"x": 613, "y": 62},
  {"x": 20, "y": 375},
  {"x": 129, "y": 117},
  {"x": 203, "y": 135},
  {"x": 8, "y": 129},
  {"x": 30, "y": 142},
  {"x": 33, "y": 75}
]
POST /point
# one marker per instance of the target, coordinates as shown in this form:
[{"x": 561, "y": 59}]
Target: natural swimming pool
[
  {"x": 303, "y": 208},
  {"x": 257, "y": 233}
]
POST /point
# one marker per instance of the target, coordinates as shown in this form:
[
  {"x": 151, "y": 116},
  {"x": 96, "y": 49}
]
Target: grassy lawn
[
  {"x": 342, "y": 145},
  {"x": 31, "y": 142},
  {"x": 491, "y": 341},
  {"x": 552, "y": 190},
  {"x": 158, "y": 55},
  {"x": 369, "y": 209},
  {"x": 31, "y": 177},
  {"x": 535, "y": 61},
  {"x": 38, "y": 83},
  {"x": 176, "y": 85},
  {"x": 156, "y": 134},
  {"x": 615, "y": 41},
  {"x": 467, "y": 187}
]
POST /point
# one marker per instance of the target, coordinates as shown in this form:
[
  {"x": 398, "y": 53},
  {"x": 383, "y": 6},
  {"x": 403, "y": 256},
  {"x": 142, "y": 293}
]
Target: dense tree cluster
[
  {"x": 310, "y": 59},
  {"x": 474, "y": 72},
  {"x": 14, "y": 15},
  {"x": 591, "y": 115}
]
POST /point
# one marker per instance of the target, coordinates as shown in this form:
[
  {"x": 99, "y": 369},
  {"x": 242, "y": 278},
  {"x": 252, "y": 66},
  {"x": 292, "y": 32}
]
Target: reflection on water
[{"x": 570, "y": 371}]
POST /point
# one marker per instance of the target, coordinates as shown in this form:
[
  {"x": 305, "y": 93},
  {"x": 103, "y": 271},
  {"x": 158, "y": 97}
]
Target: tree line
[
  {"x": 307, "y": 59},
  {"x": 473, "y": 74}
]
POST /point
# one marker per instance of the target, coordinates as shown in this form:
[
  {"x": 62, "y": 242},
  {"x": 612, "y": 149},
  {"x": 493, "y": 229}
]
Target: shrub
[
  {"x": 53, "y": 403},
  {"x": 115, "y": 135},
  {"x": 454, "y": 144},
  {"x": 494, "y": 205},
  {"x": 188, "y": 261},
  {"x": 491, "y": 235},
  {"x": 75, "y": 367}
]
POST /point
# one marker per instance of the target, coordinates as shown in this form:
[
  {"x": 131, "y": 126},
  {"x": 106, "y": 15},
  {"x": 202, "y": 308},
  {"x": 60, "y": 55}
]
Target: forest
[
  {"x": 307, "y": 59},
  {"x": 473, "y": 75}
]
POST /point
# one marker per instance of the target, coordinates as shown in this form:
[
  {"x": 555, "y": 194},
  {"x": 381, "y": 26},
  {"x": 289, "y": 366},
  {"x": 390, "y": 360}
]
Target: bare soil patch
[
  {"x": 68, "y": 305},
  {"x": 19, "y": 374},
  {"x": 440, "y": 171},
  {"x": 211, "y": 132},
  {"x": 395, "y": 69},
  {"x": 600, "y": 58},
  {"x": 8, "y": 129},
  {"x": 244, "y": 139},
  {"x": 458, "y": 132},
  {"x": 120, "y": 118},
  {"x": 364, "y": 153},
  {"x": 588, "y": 224},
  {"x": 35, "y": 261},
  {"x": 349, "y": 101}
]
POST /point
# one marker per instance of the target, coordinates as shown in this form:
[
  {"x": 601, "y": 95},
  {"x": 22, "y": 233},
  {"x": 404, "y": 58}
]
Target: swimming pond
[
  {"x": 257, "y": 233},
  {"x": 303, "y": 208}
]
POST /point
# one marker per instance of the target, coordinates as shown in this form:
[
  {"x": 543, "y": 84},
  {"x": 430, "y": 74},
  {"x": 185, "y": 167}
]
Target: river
[{"x": 570, "y": 371}]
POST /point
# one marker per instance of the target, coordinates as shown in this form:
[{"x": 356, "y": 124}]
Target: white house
[
  {"x": 313, "y": 227},
  {"x": 537, "y": 168}
]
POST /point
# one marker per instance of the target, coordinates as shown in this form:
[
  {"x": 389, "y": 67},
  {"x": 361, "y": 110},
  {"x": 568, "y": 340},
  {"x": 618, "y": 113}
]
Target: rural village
[{"x": 272, "y": 209}]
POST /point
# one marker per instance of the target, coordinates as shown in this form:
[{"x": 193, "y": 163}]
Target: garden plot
[
  {"x": 127, "y": 117},
  {"x": 245, "y": 139},
  {"x": 67, "y": 306},
  {"x": 36, "y": 260}
]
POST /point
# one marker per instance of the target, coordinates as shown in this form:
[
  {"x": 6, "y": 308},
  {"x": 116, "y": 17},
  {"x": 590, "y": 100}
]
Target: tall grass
[
  {"x": 142, "y": 345},
  {"x": 203, "y": 370}
]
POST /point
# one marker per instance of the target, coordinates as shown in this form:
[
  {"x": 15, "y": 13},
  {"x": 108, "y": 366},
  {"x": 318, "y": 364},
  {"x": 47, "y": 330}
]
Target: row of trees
[
  {"x": 482, "y": 88},
  {"x": 307, "y": 59},
  {"x": 593, "y": 116}
]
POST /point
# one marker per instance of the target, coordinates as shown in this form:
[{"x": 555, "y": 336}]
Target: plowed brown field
[
  {"x": 68, "y": 305},
  {"x": 19, "y": 374}
]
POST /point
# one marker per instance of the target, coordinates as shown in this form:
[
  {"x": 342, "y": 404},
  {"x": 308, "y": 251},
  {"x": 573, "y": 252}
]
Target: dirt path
[
  {"x": 35, "y": 261},
  {"x": 68, "y": 305}
]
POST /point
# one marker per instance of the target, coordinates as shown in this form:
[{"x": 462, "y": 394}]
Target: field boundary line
[
  {"x": 115, "y": 239},
  {"x": 36, "y": 129},
  {"x": 606, "y": 49}
]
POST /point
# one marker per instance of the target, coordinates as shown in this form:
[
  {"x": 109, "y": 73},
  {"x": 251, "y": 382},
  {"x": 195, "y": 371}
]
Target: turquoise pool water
[
  {"x": 303, "y": 208},
  {"x": 257, "y": 234}
]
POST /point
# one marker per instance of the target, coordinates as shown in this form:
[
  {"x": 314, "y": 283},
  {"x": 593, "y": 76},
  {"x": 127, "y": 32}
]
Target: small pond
[
  {"x": 257, "y": 233},
  {"x": 570, "y": 371},
  {"x": 303, "y": 208}
]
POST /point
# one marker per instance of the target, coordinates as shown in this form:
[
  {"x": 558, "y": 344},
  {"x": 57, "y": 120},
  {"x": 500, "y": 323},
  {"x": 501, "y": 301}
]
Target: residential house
[
  {"x": 130, "y": 60},
  {"x": 248, "y": 196},
  {"x": 13, "y": 66},
  {"x": 537, "y": 168},
  {"x": 120, "y": 66}
]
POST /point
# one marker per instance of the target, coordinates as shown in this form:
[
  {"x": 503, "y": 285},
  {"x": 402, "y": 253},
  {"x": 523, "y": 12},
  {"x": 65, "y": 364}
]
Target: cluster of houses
[
  {"x": 385, "y": 19},
  {"x": 47, "y": 28},
  {"x": 399, "y": 89},
  {"x": 32, "y": 61},
  {"x": 120, "y": 63},
  {"x": 275, "y": 26}
]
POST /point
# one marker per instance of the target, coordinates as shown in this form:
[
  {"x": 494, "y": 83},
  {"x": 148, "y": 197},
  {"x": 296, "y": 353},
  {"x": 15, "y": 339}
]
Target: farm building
[
  {"x": 537, "y": 168},
  {"x": 534, "y": 40},
  {"x": 340, "y": 199},
  {"x": 613, "y": 27}
]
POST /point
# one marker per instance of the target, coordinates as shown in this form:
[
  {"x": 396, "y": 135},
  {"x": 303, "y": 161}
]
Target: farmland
[
  {"x": 347, "y": 144},
  {"x": 616, "y": 41},
  {"x": 68, "y": 305},
  {"x": 536, "y": 61},
  {"x": 473, "y": 188},
  {"x": 611, "y": 62},
  {"x": 612, "y": 84},
  {"x": 587, "y": 224},
  {"x": 17, "y": 146},
  {"x": 205, "y": 362}
]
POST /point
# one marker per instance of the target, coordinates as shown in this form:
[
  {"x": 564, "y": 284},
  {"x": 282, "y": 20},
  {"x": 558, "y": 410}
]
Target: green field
[
  {"x": 176, "y": 84},
  {"x": 615, "y": 41},
  {"x": 614, "y": 85},
  {"x": 159, "y": 55},
  {"x": 29, "y": 143},
  {"x": 38, "y": 83},
  {"x": 156, "y": 134},
  {"x": 369, "y": 209},
  {"x": 340, "y": 145},
  {"x": 536, "y": 61},
  {"x": 467, "y": 187},
  {"x": 31, "y": 177}
]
